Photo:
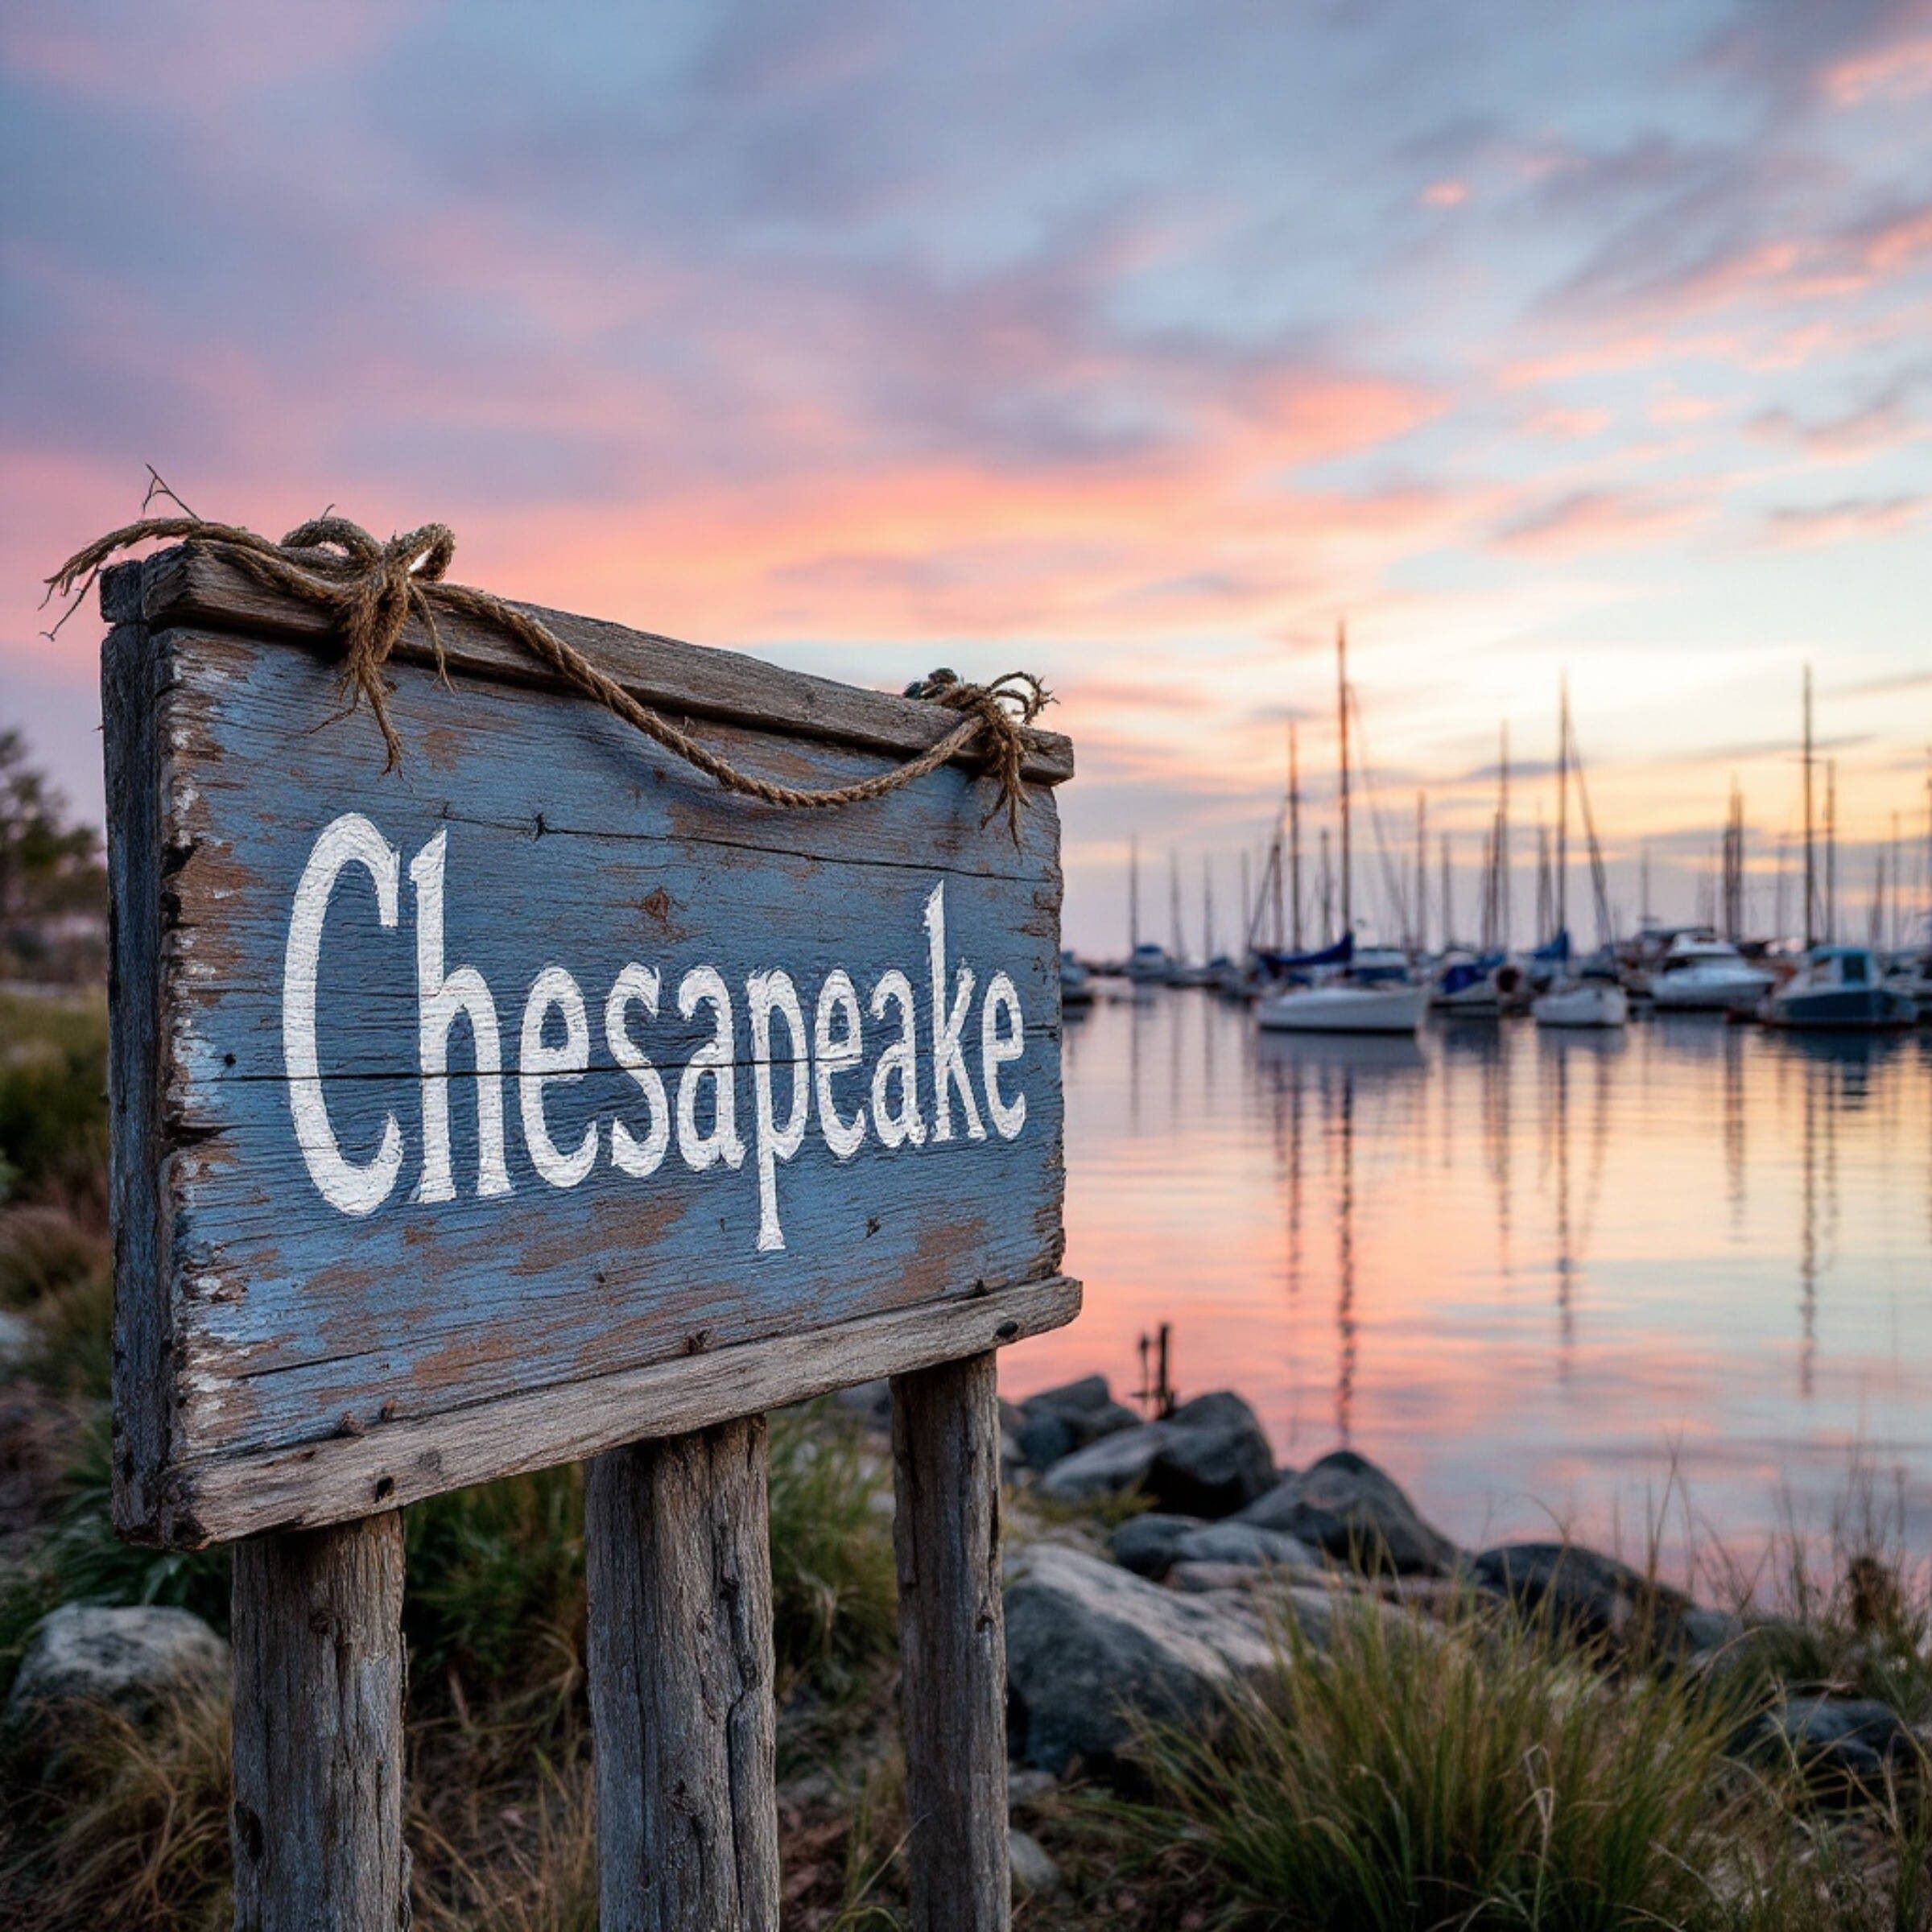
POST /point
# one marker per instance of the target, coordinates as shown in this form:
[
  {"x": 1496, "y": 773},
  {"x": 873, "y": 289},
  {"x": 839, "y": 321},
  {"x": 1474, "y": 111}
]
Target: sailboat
[
  {"x": 1594, "y": 996},
  {"x": 1324, "y": 994},
  {"x": 1146, "y": 961}
]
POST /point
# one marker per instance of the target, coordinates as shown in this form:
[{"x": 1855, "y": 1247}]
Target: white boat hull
[
  {"x": 1694, "y": 991},
  {"x": 1343, "y": 1009},
  {"x": 1594, "y": 1003}
]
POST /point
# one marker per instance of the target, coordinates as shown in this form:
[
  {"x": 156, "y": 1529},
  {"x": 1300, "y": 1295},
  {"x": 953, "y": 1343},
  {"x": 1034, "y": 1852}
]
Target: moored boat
[
  {"x": 1344, "y": 1005},
  {"x": 1076, "y": 982},
  {"x": 1841, "y": 988},
  {"x": 1701, "y": 974},
  {"x": 1593, "y": 998}
]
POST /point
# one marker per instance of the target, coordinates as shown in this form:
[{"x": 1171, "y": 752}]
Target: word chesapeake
[{"x": 822, "y": 1062}]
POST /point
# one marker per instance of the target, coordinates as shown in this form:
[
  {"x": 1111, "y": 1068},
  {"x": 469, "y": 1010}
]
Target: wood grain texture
[
  {"x": 319, "y": 1669},
  {"x": 681, "y": 1683},
  {"x": 398, "y": 1462},
  {"x": 263, "y": 1322},
  {"x": 189, "y": 583},
  {"x": 138, "y": 1200},
  {"x": 952, "y": 1638}
]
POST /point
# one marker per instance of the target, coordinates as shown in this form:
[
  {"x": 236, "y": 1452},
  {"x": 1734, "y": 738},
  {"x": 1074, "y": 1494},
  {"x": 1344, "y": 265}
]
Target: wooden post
[
  {"x": 681, "y": 1694},
  {"x": 953, "y": 1633},
  {"x": 318, "y": 1714}
]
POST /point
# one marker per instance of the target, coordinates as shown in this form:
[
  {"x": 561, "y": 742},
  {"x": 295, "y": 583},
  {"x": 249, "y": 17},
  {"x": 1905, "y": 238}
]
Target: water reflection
[{"x": 1519, "y": 1268}]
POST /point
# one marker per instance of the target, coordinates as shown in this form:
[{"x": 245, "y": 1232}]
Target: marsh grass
[
  {"x": 53, "y": 1103},
  {"x": 1478, "y": 1775}
]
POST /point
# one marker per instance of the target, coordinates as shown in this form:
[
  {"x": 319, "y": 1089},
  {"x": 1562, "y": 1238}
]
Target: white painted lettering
[
  {"x": 832, "y": 1054},
  {"x": 638, "y": 1158},
  {"x": 767, "y": 993},
  {"x": 357, "y": 1188},
  {"x": 948, "y": 1061},
  {"x": 441, "y": 998},
  {"x": 539, "y": 1065},
  {"x": 715, "y": 1059},
  {"x": 998, "y": 1049},
  {"x": 904, "y": 1124}
]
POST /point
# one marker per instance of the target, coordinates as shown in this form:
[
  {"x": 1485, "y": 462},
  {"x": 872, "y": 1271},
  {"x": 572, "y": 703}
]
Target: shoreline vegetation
[{"x": 1240, "y": 1696}]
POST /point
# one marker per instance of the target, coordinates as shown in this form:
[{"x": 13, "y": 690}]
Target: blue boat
[{"x": 1842, "y": 988}]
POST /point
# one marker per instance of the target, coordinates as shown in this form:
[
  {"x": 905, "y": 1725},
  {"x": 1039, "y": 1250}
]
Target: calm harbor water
[{"x": 1528, "y": 1273}]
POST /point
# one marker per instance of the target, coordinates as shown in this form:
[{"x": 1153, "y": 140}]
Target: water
[{"x": 1530, "y": 1273}]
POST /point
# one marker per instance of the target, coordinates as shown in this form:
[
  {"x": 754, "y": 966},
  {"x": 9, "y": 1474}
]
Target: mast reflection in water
[{"x": 1526, "y": 1271}]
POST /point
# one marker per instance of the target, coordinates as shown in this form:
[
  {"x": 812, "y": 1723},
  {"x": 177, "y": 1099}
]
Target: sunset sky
[{"x": 1132, "y": 344}]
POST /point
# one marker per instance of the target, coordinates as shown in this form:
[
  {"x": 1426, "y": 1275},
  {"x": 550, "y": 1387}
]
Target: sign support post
[{"x": 542, "y": 1101}]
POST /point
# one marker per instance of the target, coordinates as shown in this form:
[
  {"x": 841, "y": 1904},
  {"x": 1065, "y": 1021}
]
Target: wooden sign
[{"x": 538, "y": 1096}]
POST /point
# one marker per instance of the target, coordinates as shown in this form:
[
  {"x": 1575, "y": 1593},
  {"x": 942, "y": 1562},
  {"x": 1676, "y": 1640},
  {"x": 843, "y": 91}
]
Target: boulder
[
  {"x": 1111, "y": 1466},
  {"x": 1838, "y": 1739},
  {"x": 84, "y": 1657},
  {"x": 1150, "y": 1544},
  {"x": 1581, "y": 1591},
  {"x": 1035, "y": 1874},
  {"x": 1347, "y": 1507},
  {"x": 1216, "y": 1459},
  {"x": 1056, "y": 1422},
  {"x": 1207, "y": 1460},
  {"x": 1248, "y": 1545},
  {"x": 1090, "y": 1647}
]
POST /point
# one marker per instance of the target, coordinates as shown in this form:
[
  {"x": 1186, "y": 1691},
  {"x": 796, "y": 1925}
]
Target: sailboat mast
[
  {"x": 1207, "y": 909},
  {"x": 1247, "y": 908},
  {"x": 1448, "y": 897},
  {"x": 1327, "y": 884},
  {"x": 1295, "y": 838},
  {"x": 1562, "y": 807},
  {"x": 1420, "y": 942},
  {"x": 1810, "y": 860},
  {"x": 1174, "y": 904},
  {"x": 1341, "y": 699},
  {"x": 1830, "y": 852},
  {"x": 1133, "y": 893},
  {"x": 1502, "y": 847}
]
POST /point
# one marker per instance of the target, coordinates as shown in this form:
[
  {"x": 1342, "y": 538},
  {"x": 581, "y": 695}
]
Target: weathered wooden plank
[
  {"x": 394, "y": 1462},
  {"x": 319, "y": 1668},
  {"x": 952, "y": 1636},
  {"x": 143, "y": 1429},
  {"x": 681, "y": 1683},
  {"x": 190, "y": 583}
]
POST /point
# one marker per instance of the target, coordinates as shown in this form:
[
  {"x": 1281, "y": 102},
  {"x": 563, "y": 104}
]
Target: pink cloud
[
  {"x": 1848, "y": 520},
  {"x": 1569, "y": 425},
  {"x": 1585, "y": 520},
  {"x": 1901, "y": 72},
  {"x": 1446, "y": 194}
]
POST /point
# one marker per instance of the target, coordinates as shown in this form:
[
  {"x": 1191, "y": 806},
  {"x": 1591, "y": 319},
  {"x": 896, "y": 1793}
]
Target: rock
[
  {"x": 1057, "y": 1422},
  {"x": 1089, "y": 1392},
  {"x": 1206, "y": 1580},
  {"x": 83, "y": 1656},
  {"x": 1215, "y": 1460},
  {"x": 1248, "y": 1545},
  {"x": 1032, "y": 1868},
  {"x": 1207, "y": 1460},
  {"x": 1704, "y": 1633},
  {"x": 1346, "y": 1506},
  {"x": 1025, "y": 1786},
  {"x": 1090, "y": 1646},
  {"x": 1111, "y": 1466},
  {"x": 1150, "y": 1544},
  {"x": 1013, "y": 1458},
  {"x": 1848, "y": 1740},
  {"x": 1581, "y": 1591}
]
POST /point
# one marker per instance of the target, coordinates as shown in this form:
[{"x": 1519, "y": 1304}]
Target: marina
[{"x": 1538, "y": 1273}]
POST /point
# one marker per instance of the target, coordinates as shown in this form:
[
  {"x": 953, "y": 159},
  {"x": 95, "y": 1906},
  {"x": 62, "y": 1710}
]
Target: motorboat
[
  {"x": 1593, "y": 998},
  {"x": 1229, "y": 977},
  {"x": 1701, "y": 974},
  {"x": 1149, "y": 965},
  {"x": 1076, "y": 982},
  {"x": 1842, "y": 988},
  {"x": 1344, "y": 1005}
]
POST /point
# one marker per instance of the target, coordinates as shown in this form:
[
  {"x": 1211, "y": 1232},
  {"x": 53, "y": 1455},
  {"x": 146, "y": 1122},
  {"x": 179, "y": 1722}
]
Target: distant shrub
[{"x": 53, "y": 1103}]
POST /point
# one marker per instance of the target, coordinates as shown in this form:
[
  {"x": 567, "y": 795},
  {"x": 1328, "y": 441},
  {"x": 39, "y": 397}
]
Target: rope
[{"x": 370, "y": 590}]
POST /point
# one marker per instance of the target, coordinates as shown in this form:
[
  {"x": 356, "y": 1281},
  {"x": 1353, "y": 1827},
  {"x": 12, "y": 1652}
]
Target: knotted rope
[{"x": 370, "y": 590}]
